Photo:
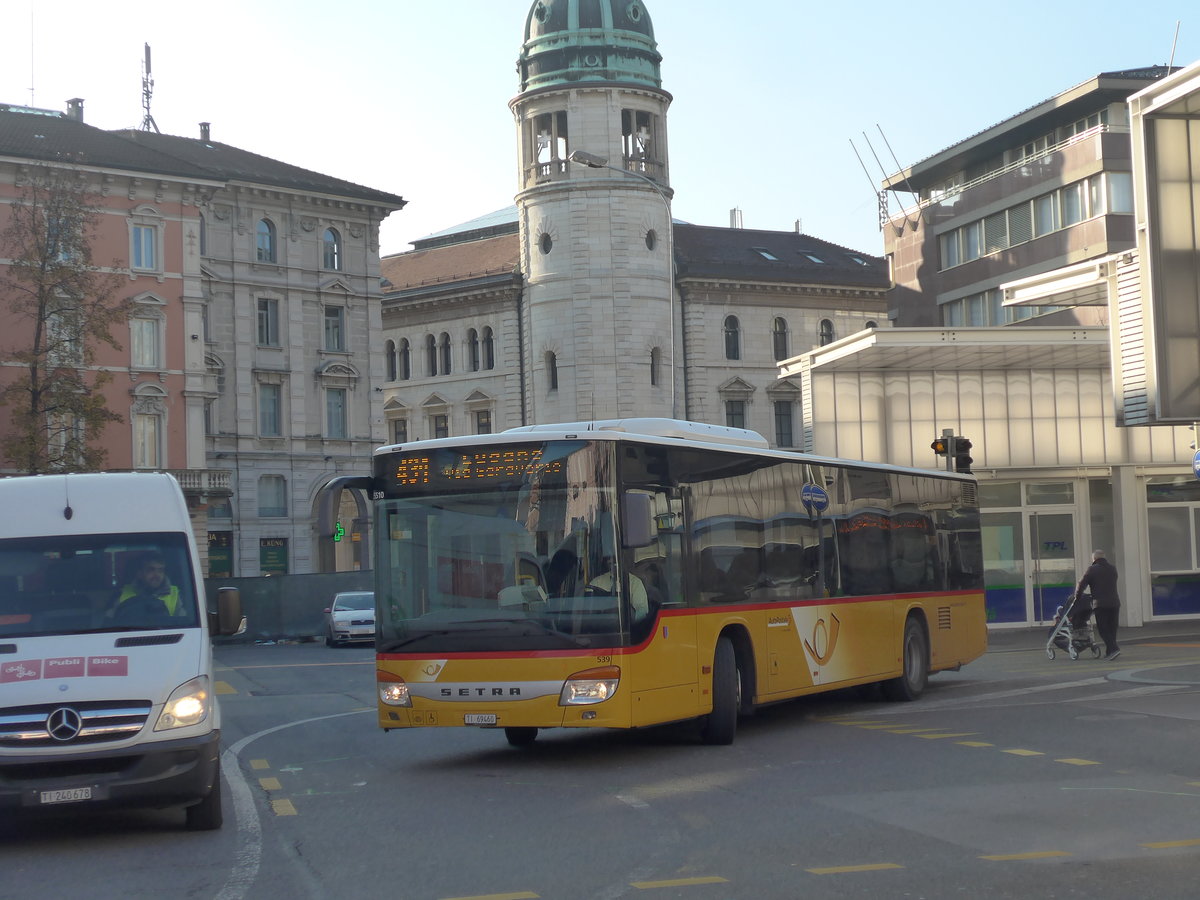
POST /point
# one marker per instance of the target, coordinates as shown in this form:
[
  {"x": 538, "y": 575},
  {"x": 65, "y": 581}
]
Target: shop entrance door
[{"x": 1051, "y": 569}]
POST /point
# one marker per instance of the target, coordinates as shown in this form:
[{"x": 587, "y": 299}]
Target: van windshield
[{"x": 90, "y": 583}]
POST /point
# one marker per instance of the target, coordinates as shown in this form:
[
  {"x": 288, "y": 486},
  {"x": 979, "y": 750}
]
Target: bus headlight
[
  {"x": 187, "y": 705},
  {"x": 392, "y": 689},
  {"x": 590, "y": 686}
]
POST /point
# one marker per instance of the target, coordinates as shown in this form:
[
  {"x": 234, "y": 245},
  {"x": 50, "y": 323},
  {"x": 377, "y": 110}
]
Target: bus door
[{"x": 663, "y": 659}]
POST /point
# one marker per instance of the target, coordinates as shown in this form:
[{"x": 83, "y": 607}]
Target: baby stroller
[{"x": 1072, "y": 629}]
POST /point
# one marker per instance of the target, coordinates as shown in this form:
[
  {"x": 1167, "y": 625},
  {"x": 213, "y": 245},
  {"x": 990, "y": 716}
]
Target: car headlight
[
  {"x": 590, "y": 686},
  {"x": 393, "y": 690},
  {"x": 187, "y": 705}
]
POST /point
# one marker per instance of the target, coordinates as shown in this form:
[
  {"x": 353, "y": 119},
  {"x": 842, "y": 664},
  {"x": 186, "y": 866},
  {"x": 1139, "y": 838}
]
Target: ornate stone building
[
  {"x": 588, "y": 300},
  {"x": 248, "y": 365}
]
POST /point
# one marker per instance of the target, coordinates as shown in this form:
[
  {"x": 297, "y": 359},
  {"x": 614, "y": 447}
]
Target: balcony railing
[{"x": 204, "y": 481}]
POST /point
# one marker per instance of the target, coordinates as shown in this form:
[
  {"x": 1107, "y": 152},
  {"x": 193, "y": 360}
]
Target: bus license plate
[
  {"x": 479, "y": 718},
  {"x": 68, "y": 795}
]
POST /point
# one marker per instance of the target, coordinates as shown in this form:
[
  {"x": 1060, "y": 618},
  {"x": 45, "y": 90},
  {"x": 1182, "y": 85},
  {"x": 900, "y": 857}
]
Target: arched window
[
  {"x": 655, "y": 363},
  {"x": 826, "y": 332},
  {"x": 445, "y": 353},
  {"x": 265, "y": 241},
  {"x": 473, "y": 350},
  {"x": 733, "y": 338},
  {"x": 489, "y": 349},
  {"x": 552, "y": 371},
  {"x": 779, "y": 338},
  {"x": 871, "y": 324},
  {"x": 332, "y": 249},
  {"x": 405, "y": 360},
  {"x": 430, "y": 355},
  {"x": 389, "y": 352}
]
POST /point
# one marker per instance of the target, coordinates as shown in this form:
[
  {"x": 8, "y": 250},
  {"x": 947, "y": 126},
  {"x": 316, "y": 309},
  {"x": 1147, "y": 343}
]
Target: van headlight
[{"x": 187, "y": 705}]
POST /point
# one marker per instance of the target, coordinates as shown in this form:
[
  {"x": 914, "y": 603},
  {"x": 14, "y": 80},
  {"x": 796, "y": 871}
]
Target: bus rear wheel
[
  {"x": 915, "y": 651},
  {"x": 520, "y": 737},
  {"x": 720, "y": 725}
]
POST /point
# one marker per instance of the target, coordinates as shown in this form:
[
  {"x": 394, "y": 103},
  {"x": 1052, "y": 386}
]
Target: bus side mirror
[
  {"x": 228, "y": 619},
  {"x": 637, "y": 521}
]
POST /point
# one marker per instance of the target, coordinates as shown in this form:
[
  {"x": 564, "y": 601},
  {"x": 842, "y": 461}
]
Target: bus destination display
[{"x": 486, "y": 465}]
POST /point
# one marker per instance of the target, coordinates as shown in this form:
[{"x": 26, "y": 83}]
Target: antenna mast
[{"x": 147, "y": 90}]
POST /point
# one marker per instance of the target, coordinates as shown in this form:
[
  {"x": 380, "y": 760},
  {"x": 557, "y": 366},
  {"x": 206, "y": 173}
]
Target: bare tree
[{"x": 60, "y": 307}]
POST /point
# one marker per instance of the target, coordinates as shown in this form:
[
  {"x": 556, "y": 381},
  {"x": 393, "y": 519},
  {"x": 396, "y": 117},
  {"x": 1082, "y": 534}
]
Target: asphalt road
[{"x": 1019, "y": 776}]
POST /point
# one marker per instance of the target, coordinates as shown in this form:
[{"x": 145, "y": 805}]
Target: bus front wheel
[
  {"x": 915, "y": 651},
  {"x": 520, "y": 737},
  {"x": 719, "y": 726}
]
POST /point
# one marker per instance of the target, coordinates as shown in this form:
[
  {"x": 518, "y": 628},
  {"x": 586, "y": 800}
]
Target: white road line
[{"x": 249, "y": 855}]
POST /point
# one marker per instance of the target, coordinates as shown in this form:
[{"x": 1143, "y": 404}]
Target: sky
[{"x": 775, "y": 101}]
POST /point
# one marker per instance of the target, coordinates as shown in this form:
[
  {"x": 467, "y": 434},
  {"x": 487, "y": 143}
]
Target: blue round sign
[
  {"x": 813, "y": 496},
  {"x": 1196, "y": 463}
]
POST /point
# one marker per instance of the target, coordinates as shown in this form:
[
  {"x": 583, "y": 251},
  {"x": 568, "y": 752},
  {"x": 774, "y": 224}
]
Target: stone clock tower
[{"x": 598, "y": 327}]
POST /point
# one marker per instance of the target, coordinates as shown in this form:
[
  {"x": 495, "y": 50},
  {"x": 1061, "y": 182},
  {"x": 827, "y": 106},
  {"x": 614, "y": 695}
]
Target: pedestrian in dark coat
[{"x": 1101, "y": 579}]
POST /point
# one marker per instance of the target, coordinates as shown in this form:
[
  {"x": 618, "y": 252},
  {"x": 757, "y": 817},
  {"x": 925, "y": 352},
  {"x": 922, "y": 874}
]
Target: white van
[{"x": 106, "y": 684}]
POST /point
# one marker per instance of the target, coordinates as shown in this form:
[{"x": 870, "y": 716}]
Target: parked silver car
[{"x": 350, "y": 618}]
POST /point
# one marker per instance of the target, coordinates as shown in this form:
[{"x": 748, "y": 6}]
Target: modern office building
[{"x": 1021, "y": 369}]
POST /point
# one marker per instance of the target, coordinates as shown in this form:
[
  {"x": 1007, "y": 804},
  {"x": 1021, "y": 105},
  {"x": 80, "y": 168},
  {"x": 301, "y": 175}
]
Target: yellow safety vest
[{"x": 170, "y": 599}]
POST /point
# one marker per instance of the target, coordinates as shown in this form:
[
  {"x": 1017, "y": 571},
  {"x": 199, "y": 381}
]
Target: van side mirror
[
  {"x": 228, "y": 619},
  {"x": 637, "y": 520}
]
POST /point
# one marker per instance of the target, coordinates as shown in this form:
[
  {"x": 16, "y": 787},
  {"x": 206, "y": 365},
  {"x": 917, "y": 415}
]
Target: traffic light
[
  {"x": 939, "y": 446},
  {"x": 962, "y": 455}
]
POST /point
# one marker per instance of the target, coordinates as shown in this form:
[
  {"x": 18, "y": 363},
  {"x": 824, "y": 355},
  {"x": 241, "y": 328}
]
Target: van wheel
[
  {"x": 206, "y": 815},
  {"x": 911, "y": 683},
  {"x": 720, "y": 726},
  {"x": 521, "y": 737}
]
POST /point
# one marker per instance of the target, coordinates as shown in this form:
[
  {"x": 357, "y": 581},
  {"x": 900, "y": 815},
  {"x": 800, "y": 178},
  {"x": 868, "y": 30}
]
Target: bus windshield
[{"x": 507, "y": 548}]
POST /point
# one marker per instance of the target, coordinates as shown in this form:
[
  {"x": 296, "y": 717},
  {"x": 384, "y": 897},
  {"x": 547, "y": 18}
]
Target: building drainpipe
[
  {"x": 521, "y": 351},
  {"x": 687, "y": 394}
]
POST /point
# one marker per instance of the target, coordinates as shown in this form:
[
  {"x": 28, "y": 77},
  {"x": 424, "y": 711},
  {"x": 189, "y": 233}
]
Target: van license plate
[
  {"x": 479, "y": 719},
  {"x": 69, "y": 795}
]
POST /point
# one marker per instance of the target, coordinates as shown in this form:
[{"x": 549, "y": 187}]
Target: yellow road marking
[
  {"x": 912, "y": 730},
  {"x": 523, "y": 895},
  {"x": 1044, "y": 854},
  {"x": 931, "y": 737},
  {"x": 1024, "y": 752},
  {"x": 270, "y": 784},
  {"x": 224, "y": 687},
  {"x": 1078, "y": 762},
  {"x": 1194, "y": 784},
  {"x": 881, "y": 727},
  {"x": 283, "y": 807},
  {"x": 259, "y": 764},
  {"x": 838, "y": 870},
  {"x": 678, "y": 882},
  {"x": 975, "y": 743},
  {"x": 1163, "y": 845}
]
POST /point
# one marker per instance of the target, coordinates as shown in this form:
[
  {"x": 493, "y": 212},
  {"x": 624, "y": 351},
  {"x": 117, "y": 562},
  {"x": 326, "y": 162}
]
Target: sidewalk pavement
[{"x": 1005, "y": 640}]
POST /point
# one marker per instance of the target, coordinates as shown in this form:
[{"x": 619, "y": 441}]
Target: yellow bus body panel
[{"x": 793, "y": 650}]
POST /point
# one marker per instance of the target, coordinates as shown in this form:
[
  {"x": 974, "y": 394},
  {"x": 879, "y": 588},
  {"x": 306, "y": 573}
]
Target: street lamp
[{"x": 592, "y": 161}]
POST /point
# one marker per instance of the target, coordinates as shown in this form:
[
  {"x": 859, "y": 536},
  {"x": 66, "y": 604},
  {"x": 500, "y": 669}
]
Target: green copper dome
[{"x": 575, "y": 41}]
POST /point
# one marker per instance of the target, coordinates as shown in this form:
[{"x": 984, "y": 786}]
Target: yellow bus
[{"x": 629, "y": 573}]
